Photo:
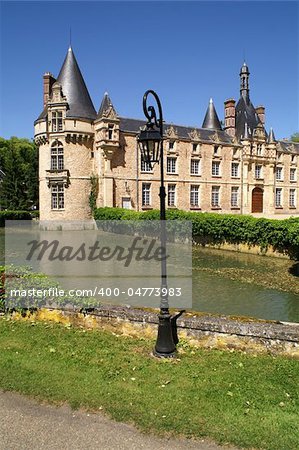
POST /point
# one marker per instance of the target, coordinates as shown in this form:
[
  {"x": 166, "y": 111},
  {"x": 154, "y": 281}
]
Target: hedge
[
  {"x": 213, "y": 228},
  {"x": 17, "y": 215}
]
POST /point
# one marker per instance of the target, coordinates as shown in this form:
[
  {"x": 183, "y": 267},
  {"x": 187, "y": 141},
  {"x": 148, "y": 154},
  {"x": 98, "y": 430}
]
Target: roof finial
[{"x": 70, "y": 46}]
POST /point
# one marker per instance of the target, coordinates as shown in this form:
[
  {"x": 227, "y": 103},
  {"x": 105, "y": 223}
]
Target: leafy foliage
[
  {"x": 295, "y": 137},
  {"x": 19, "y": 162},
  {"x": 94, "y": 185},
  {"x": 211, "y": 228},
  {"x": 17, "y": 215}
]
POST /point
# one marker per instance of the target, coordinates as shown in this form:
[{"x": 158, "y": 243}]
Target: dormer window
[
  {"x": 259, "y": 149},
  {"x": 57, "y": 124},
  {"x": 110, "y": 131}
]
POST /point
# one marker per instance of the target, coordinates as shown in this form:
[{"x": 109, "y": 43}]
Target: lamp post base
[{"x": 165, "y": 346}]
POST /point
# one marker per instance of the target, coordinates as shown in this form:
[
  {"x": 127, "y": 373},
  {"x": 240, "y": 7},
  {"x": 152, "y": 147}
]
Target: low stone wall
[
  {"x": 255, "y": 336},
  {"x": 244, "y": 248}
]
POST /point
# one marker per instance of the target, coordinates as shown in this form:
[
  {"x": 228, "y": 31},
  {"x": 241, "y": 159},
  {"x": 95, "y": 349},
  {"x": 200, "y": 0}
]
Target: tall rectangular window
[
  {"x": 292, "y": 198},
  {"x": 145, "y": 166},
  {"x": 171, "y": 165},
  {"x": 292, "y": 174},
  {"x": 235, "y": 170},
  {"x": 57, "y": 121},
  {"x": 110, "y": 131},
  {"x": 278, "y": 197},
  {"x": 258, "y": 171},
  {"x": 215, "y": 200},
  {"x": 278, "y": 173},
  {"x": 57, "y": 158},
  {"x": 194, "y": 195},
  {"x": 171, "y": 195},
  {"x": 216, "y": 168},
  {"x": 194, "y": 168},
  {"x": 234, "y": 196},
  {"x": 57, "y": 196},
  {"x": 146, "y": 194}
]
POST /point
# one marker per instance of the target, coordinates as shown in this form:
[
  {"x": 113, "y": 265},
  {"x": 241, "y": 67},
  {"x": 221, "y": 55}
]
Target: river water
[{"x": 239, "y": 284}]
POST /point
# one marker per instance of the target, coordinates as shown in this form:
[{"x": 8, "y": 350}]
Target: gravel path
[{"x": 28, "y": 425}]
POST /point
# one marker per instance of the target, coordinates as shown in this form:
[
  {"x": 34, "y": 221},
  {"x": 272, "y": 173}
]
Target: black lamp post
[{"x": 150, "y": 141}]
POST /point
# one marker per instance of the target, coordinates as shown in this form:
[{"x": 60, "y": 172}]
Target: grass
[{"x": 230, "y": 397}]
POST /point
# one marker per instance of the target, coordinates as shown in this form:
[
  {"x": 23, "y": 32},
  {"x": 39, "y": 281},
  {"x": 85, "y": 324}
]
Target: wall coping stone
[{"x": 192, "y": 321}]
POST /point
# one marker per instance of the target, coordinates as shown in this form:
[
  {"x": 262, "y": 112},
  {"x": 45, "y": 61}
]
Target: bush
[
  {"x": 17, "y": 215},
  {"x": 282, "y": 235}
]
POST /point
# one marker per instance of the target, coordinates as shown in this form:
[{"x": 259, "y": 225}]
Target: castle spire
[
  {"x": 211, "y": 120},
  {"x": 271, "y": 138},
  {"x": 106, "y": 106},
  {"x": 244, "y": 82},
  {"x": 75, "y": 90}
]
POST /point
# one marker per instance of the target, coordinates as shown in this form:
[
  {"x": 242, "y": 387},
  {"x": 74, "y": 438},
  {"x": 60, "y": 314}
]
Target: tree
[
  {"x": 19, "y": 162},
  {"x": 295, "y": 137}
]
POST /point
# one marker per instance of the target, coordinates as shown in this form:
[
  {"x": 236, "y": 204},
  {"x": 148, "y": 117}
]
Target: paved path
[{"x": 28, "y": 425}]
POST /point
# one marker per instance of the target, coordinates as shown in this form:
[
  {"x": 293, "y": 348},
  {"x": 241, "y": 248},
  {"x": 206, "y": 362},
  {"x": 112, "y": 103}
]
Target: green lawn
[{"x": 229, "y": 396}]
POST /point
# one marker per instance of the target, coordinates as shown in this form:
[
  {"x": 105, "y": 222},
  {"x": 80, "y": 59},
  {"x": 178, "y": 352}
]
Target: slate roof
[
  {"x": 105, "y": 105},
  {"x": 288, "y": 147},
  {"x": 246, "y": 113},
  {"x": 75, "y": 90},
  {"x": 211, "y": 120},
  {"x": 133, "y": 126}
]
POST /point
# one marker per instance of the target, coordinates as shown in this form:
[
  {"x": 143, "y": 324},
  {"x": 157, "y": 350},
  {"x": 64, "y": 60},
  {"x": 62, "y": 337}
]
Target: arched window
[{"x": 57, "y": 160}]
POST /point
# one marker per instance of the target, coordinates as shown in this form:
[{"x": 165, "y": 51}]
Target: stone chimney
[
  {"x": 230, "y": 117},
  {"x": 49, "y": 80},
  {"x": 260, "y": 110}
]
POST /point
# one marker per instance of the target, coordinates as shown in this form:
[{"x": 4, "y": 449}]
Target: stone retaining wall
[{"x": 208, "y": 331}]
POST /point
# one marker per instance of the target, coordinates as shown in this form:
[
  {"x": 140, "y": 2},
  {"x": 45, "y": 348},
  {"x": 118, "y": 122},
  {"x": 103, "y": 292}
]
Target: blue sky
[{"x": 186, "y": 51}]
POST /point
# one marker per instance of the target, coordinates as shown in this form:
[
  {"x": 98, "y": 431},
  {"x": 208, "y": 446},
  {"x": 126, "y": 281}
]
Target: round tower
[{"x": 65, "y": 136}]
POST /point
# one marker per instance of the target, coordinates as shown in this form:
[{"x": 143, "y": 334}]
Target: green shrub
[
  {"x": 282, "y": 235},
  {"x": 17, "y": 215}
]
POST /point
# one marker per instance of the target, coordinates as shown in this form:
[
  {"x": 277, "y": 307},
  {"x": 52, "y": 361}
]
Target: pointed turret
[
  {"x": 211, "y": 120},
  {"x": 106, "y": 107},
  {"x": 74, "y": 88},
  {"x": 271, "y": 137}
]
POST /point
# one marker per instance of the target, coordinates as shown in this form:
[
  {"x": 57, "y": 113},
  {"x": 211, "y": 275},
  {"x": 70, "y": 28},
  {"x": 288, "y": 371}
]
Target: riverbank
[{"x": 232, "y": 397}]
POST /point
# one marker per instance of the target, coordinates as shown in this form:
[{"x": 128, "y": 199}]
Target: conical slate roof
[
  {"x": 75, "y": 90},
  {"x": 211, "y": 120},
  {"x": 105, "y": 106}
]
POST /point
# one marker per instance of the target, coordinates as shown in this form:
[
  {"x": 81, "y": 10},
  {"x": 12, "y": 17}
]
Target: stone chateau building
[{"x": 237, "y": 167}]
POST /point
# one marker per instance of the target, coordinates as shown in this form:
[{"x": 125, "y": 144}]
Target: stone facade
[{"x": 240, "y": 169}]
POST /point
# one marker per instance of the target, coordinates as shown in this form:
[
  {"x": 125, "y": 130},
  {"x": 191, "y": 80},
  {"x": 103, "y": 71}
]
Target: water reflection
[{"x": 240, "y": 284}]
